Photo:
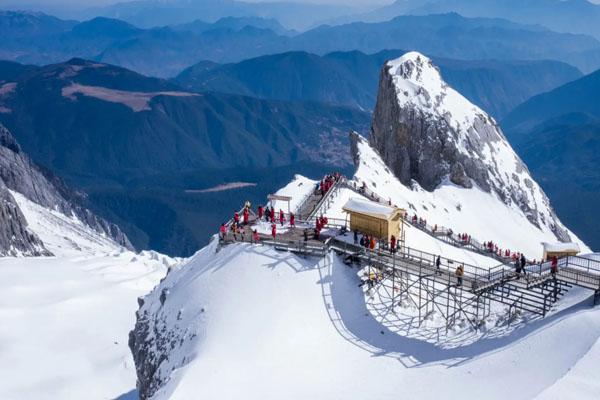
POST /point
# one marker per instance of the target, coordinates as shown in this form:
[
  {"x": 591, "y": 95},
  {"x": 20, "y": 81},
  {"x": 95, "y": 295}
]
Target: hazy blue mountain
[
  {"x": 577, "y": 97},
  {"x": 132, "y": 146},
  {"x": 234, "y": 23},
  {"x": 451, "y": 36},
  {"x": 26, "y": 25},
  {"x": 11, "y": 71},
  {"x": 351, "y": 78},
  {"x": 166, "y": 51},
  {"x": 158, "y": 51},
  {"x": 558, "y": 135},
  {"x": 499, "y": 86},
  {"x": 575, "y": 16},
  {"x": 293, "y": 15}
]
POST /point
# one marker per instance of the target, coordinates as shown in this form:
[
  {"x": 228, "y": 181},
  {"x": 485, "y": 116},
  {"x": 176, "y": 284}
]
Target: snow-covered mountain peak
[
  {"x": 419, "y": 83},
  {"x": 428, "y": 133}
]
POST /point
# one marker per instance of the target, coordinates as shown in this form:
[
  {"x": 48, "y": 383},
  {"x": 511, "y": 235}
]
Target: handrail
[
  {"x": 329, "y": 193},
  {"x": 438, "y": 231}
]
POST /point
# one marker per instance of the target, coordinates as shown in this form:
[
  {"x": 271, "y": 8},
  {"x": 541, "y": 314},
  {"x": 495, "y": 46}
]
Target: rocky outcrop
[
  {"x": 428, "y": 133},
  {"x": 15, "y": 239},
  {"x": 18, "y": 173},
  {"x": 151, "y": 342}
]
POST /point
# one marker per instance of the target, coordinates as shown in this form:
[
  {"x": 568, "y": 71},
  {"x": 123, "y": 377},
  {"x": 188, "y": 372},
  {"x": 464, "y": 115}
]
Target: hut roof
[
  {"x": 560, "y": 247},
  {"x": 367, "y": 207}
]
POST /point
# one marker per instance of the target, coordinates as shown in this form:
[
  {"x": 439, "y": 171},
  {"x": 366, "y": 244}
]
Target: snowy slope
[
  {"x": 250, "y": 322},
  {"x": 474, "y": 211},
  {"x": 66, "y": 319}
]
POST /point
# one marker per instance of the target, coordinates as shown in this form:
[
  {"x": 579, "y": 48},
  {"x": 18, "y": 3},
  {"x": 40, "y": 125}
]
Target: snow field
[{"x": 66, "y": 319}]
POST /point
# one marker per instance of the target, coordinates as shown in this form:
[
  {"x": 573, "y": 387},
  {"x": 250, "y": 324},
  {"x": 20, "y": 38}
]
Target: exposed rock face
[
  {"x": 18, "y": 173},
  {"x": 150, "y": 343},
  {"x": 428, "y": 133},
  {"x": 15, "y": 239}
]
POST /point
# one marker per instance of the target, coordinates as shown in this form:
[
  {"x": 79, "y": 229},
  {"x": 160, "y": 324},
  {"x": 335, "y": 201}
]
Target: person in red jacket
[
  {"x": 223, "y": 231},
  {"x": 255, "y": 237},
  {"x": 236, "y": 217},
  {"x": 261, "y": 211},
  {"x": 273, "y": 214},
  {"x": 292, "y": 220},
  {"x": 246, "y": 216},
  {"x": 273, "y": 231},
  {"x": 393, "y": 244}
]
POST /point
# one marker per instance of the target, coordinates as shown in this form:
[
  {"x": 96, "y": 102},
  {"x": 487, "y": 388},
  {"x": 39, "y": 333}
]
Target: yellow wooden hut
[
  {"x": 375, "y": 219},
  {"x": 559, "y": 250}
]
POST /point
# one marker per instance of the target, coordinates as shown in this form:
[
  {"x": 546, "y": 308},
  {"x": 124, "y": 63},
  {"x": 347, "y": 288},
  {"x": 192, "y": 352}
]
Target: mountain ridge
[{"x": 350, "y": 78}]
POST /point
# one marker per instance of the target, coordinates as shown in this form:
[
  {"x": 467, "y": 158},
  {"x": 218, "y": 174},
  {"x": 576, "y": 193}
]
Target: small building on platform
[
  {"x": 375, "y": 219},
  {"x": 559, "y": 250}
]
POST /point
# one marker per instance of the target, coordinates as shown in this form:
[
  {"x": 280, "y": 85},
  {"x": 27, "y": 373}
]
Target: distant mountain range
[
  {"x": 558, "y": 135},
  {"x": 125, "y": 137},
  {"x": 166, "y": 51},
  {"x": 574, "y": 16},
  {"x": 152, "y": 13},
  {"x": 350, "y": 78}
]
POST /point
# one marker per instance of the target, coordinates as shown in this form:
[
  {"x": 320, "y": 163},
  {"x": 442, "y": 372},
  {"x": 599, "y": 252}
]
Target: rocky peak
[
  {"x": 429, "y": 134},
  {"x": 19, "y": 174}
]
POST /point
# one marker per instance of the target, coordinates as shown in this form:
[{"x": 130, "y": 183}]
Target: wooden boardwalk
[{"x": 534, "y": 291}]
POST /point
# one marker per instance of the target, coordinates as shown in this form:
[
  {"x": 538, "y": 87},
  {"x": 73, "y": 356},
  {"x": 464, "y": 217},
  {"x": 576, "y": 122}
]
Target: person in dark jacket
[
  {"x": 260, "y": 212},
  {"x": 554, "y": 266},
  {"x": 355, "y": 236},
  {"x": 523, "y": 264},
  {"x": 438, "y": 263}
]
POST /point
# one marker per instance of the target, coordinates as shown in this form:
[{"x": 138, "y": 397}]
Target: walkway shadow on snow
[{"x": 345, "y": 303}]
